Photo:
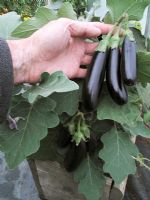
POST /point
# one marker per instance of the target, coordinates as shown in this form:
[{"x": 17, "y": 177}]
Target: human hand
[{"x": 58, "y": 46}]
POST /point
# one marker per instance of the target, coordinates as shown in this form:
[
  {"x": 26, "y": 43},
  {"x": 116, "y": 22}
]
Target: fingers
[
  {"x": 84, "y": 29},
  {"x": 81, "y": 73},
  {"x": 88, "y": 29},
  {"x": 105, "y": 28},
  {"x": 86, "y": 60},
  {"x": 90, "y": 47}
]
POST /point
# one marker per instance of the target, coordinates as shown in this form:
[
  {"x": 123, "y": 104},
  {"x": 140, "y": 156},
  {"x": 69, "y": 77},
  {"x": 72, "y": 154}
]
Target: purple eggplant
[
  {"x": 114, "y": 81},
  {"x": 74, "y": 156},
  {"x": 94, "y": 80},
  {"x": 129, "y": 62}
]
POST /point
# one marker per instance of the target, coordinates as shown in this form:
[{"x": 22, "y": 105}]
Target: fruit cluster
[
  {"x": 113, "y": 62},
  {"x": 75, "y": 154},
  {"x": 116, "y": 59}
]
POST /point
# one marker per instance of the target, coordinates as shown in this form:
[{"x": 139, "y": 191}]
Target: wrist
[{"x": 21, "y": 58}]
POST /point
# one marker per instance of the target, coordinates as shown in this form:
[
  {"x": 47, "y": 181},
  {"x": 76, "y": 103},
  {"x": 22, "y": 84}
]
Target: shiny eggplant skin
[
  {"x": 74, "y": 156},
  {"x": 94, "y": 80},
  {"x": 129, "y": 62},
  {"x": 114, "y": 81}
]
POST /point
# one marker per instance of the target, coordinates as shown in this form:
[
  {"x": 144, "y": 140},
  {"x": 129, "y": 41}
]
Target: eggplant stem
[
  {"x": 124, "y": 16},
  {"x": 103, "y": 45}
]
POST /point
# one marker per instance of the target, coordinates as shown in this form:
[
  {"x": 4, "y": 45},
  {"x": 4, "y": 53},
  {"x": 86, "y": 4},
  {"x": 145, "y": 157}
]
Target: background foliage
[{"x": 23, "y": 7}]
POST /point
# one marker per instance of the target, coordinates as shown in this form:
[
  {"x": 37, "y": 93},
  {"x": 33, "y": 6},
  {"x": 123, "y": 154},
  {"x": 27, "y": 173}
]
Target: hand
[{"x": 58, "y": 46}]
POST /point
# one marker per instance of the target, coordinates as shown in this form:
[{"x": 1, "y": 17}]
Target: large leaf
[
  {"x": 101, "y": 126},
  {"x": 126, "y": 114},
  {"x": 134, "y": 8},
  {"x": 117, "y": 155},
  {"x": 42, "y": 17},
  {"x": 144, "y": 94},
  {"x": 139, "y": 129},
  {"x": 143, "y": 61},
  {"x": 67, "y": 11},
  {"x": 8, "y": 22},
  {"x": 67, "y": 102},
  {"x": 91, "y": 180},
  {"x": 36, "y": 119},
  {"x": 56, "y": 82},
  {"x": 48, "y": 148},
  {"x": 140, "y": 40}
]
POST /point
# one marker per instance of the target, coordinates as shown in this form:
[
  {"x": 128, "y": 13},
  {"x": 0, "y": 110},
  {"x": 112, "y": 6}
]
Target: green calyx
[
  {"x": 79, "y": 129},
  {"x": 115, "y": 41},
  {"x": 130, "y": 35},
  {"x": 103, "y": 45}
]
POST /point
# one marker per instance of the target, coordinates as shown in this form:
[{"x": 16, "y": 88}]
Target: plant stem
[
  {"x": 140, "y": 160},
  {"x": 103, "y": 45},
  {"x": 124, "y": 16}
]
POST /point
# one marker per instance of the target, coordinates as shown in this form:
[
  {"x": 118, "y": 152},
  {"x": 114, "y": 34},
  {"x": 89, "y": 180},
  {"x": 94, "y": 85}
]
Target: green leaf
[
  {"x": 147, "y": 117},
  {"x": 67, "y": 102},
  {"x": 139, "y": 129},
  {"x": 140, "y": 40},
  {"x": 134, "y": 8},
  {"x": 144, "y": 94},
  {"x": 126, "y": 114},
  {"x": 143, "y": 62},
  {"x": 42, "y": 17},
  {"x": 101, "y": 126},
  {"x": 48, "y": 148},
  {"x": 56, "y": 82},
  {"x": 8, "y": 22},
  {"x": 17, "y": 89},
  {"x": 117, "y": 155},
  {"x": 33, "y": 126},
  {"x": 67, "y": 11},
  {"x": 91, "y": 180}
]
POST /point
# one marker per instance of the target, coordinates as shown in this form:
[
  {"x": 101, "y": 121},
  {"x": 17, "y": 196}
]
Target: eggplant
[
  {"x": 94, "y": 80},
  {"x": 64, "y": 138},
  {"x": 74, "y": 156},
  {"x": 129, "y": 62},
  {"x": 114, "y": 81}
]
